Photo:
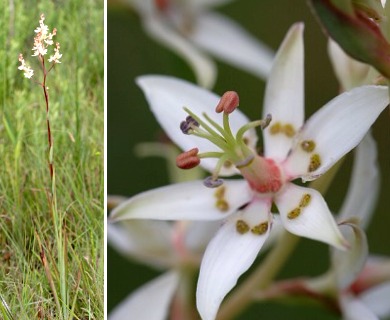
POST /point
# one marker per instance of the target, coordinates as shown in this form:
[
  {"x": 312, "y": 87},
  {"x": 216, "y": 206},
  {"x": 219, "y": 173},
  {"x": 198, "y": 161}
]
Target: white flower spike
[{"x": 226, "y": 144}]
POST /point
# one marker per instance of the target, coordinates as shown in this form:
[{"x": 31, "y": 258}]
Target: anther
[
  {"x": 211, "y": 182},
  {"x": 228, "y": 103},
  {"x": 187, "y": 125},
  {"x": 188, "y": 159},
  {"x": 242, "y": 227},
  {"x": 266, "y": 121}
]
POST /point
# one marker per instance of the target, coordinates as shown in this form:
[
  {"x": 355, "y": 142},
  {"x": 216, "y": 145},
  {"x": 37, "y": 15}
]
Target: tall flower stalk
[{"x": 43, "y": 41}]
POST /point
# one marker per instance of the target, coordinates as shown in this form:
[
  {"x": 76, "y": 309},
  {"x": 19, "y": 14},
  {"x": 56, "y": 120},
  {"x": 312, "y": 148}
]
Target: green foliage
[{"x": 27, "y": 224}]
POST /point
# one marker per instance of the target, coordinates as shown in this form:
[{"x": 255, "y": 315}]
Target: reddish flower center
[{"x": 263, "y": 175}]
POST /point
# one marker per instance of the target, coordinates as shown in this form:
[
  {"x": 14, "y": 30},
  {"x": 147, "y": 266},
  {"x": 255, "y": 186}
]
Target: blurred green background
[{"x": 132, "y": 53}]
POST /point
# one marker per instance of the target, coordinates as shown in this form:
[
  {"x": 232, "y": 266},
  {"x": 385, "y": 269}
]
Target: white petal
[
  {"x": 284, "y": 95},
  {"x": 350, "y": 72},
  {"x": 315, "y": 221},
  {"x": 348, "y": 265},
  {"x": 229, "y": 255},
  {"x": 377, "y": 298},
  {"x": 151, "y": 301},
  {"x": 335, "y": 129},
  {"x": 354, "y": 309},
  {"x": 167, "y": 96},
  {"x": 228, "y": 41},
  {"x": 203, "y": 67},
  {"x": 363, "y": 188},
  {"x": 145, "y": 241},
  {"x": 184, "y": 201}
]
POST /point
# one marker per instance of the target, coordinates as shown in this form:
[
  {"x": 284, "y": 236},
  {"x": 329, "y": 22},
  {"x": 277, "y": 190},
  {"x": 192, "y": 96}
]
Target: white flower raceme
[
  {"x": 292, "y": 150},
  {"x": 43, "y": 38},
  {"x": 189, "y": 28}
]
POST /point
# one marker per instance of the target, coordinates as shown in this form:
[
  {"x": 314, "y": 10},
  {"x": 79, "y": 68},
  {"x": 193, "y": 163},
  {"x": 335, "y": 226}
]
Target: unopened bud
[
  {"x": 228, "y": 103},
  {"x": 188, "y": 159}
]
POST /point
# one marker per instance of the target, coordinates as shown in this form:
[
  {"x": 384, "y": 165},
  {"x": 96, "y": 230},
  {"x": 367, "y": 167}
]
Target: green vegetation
[{"x": 51, "y": 229}]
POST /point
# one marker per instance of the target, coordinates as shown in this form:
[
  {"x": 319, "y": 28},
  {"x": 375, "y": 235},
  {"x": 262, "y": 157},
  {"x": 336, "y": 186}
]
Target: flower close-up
[{"x": 224, "y": 143}]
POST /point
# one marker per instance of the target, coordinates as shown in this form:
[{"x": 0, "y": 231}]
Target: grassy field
[{"x": 51, "y": 229}]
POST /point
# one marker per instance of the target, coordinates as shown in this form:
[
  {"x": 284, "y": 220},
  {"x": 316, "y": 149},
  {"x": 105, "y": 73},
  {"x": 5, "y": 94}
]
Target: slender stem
[
  {"x": 57, "y": 219},
  {"x": 273, "y": 263}
]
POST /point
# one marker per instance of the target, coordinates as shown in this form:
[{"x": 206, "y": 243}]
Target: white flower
[
  {"x": 57, "y": 55},
  {"x": 43, "y": 38},
  {"x": 292, "y": 150},
  {"x": 189, "y": 28},
  {"x": 175, "y": 248},
  {"x": 28, "y": 72}
]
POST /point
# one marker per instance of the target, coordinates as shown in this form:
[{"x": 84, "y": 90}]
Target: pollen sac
[
  {"x": 308, "y": 145},
  {"x": 295, "y": 213},
  {"x": 242, "y": 227},
  {"x": 266, "y": 121},
  {"x": 315, "y": 162},
  {"x": 228, "y": 103},
  {"x": 211, "y": 182},
  {"x": 189, "y": 124},
  {"x": 188, "y": 159},
  {"x": 260, "y": 228}
]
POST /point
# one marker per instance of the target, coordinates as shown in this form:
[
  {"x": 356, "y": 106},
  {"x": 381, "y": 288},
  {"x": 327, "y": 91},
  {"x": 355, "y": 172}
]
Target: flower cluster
[
  {"x": 42, "y": 41},
  {"x": 28, "y": 72}
]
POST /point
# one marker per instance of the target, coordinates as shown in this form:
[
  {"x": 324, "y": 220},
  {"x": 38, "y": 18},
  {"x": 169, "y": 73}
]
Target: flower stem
[{"x": 263, "y": 276}]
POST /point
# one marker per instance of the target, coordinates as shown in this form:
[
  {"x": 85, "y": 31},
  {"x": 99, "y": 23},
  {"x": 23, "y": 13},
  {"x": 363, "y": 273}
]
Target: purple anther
[{"x": 211, "y": 182}]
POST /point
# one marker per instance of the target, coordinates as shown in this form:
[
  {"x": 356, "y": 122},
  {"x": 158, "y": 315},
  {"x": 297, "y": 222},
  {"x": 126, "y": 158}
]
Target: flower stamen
[
  {"x": 188, "y": 159},
  {"x": 228, "y": 102}
]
